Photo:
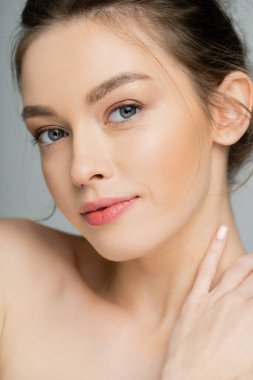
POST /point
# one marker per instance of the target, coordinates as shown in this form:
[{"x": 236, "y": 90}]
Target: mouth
[
  {"x": 104, "y": 215},
  {"x": 100, "y": 209}
]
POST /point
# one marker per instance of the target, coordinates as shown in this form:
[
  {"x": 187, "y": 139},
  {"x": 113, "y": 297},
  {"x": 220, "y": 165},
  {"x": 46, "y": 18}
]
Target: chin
[{"x": 130, "y": 250}]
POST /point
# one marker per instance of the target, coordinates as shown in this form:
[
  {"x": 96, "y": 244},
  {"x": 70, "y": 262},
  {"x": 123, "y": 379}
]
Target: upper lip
[{"x": 102, "y": 202}]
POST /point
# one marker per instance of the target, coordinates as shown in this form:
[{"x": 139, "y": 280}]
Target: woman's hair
[{"x": 197, "y": 33}]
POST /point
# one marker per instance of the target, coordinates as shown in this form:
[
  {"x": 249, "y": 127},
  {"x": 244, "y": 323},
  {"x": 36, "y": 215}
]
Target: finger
[
  {"x": 234, "y": 275},
  {"x": 209, "y": 264}
]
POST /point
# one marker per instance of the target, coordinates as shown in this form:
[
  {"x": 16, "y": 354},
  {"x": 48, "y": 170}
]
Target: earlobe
[{"x": 233, "y": 108}]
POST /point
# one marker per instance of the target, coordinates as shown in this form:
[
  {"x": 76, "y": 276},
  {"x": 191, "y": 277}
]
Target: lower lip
[{"x": 98, "y": 218}]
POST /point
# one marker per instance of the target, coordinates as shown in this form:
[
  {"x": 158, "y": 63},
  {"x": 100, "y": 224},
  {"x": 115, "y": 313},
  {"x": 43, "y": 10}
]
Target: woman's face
[{"x": 160, "y": 152}]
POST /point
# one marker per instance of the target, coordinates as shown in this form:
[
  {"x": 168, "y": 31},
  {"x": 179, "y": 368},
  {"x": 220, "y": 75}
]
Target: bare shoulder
[
  {"x": 28, "y": 249},
  {"x": 38, "y": 259},
  {"x": 29, "y": 256},
  {"x": 23, "y": 236},
  {"x": 17, "y": 227}
]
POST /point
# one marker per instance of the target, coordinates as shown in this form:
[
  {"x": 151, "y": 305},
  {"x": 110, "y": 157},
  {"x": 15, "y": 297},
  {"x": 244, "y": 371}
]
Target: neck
[{"x": 153, "y": 288}]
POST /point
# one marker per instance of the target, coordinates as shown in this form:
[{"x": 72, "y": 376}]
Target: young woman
[{"x": 142, "y": 111}]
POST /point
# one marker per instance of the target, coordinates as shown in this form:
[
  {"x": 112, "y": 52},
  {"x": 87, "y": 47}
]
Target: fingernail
[{"x": 222, "y": 232}]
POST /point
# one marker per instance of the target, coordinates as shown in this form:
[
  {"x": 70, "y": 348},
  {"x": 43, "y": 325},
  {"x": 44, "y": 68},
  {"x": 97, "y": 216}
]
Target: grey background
[{"x": 23, "y": 192}]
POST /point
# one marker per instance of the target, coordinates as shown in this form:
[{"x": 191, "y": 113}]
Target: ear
[{"x": 233, "y": 101}]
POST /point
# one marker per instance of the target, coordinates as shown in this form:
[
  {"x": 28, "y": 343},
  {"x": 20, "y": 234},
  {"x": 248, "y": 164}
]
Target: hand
[{"x": 213, "y": 336}]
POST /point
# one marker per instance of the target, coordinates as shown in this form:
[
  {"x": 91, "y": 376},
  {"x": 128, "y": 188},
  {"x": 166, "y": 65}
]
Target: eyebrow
[{"x": 96, "y": 94}]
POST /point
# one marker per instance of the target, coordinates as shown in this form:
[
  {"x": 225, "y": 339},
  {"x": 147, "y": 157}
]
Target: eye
[
  {"x": 125, "y": 111},
  {"x": 48, "y": 136}
]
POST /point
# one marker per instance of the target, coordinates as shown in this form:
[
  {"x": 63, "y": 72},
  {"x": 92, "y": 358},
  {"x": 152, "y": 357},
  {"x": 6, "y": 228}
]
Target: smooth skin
[
  {"x": 219, "y": 346},
  {"x": 105, "y": 306},
  {"x": 50, "y": 330}
]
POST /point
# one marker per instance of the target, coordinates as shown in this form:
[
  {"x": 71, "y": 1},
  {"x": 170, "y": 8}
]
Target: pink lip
[
  {"x": 101, "y": 203},
  {"x": 98, "y": 218}
]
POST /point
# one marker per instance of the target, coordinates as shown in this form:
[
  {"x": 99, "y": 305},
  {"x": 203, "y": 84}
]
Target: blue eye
[
  {"x": 126, "y": 111},
  {"x": 50, "y": 135}
]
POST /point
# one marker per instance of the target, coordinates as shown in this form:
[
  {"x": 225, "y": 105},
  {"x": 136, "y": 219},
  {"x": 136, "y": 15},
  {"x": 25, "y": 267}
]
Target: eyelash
[{"x": 36, "y": 136}]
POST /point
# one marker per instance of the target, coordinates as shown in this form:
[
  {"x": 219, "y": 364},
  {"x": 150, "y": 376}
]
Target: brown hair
[{"x": 197, "y": 33}]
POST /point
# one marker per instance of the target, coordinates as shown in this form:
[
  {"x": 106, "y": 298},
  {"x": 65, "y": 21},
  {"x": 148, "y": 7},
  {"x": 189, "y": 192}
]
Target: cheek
[
  {"x": 55, "y": 170},
  {"x": 165, "y": 154},
  {"x": 175, "y": 161}
]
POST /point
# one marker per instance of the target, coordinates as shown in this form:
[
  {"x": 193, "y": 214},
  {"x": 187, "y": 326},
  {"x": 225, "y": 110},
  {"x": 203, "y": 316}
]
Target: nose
[{"x": 90, "y": 161}]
